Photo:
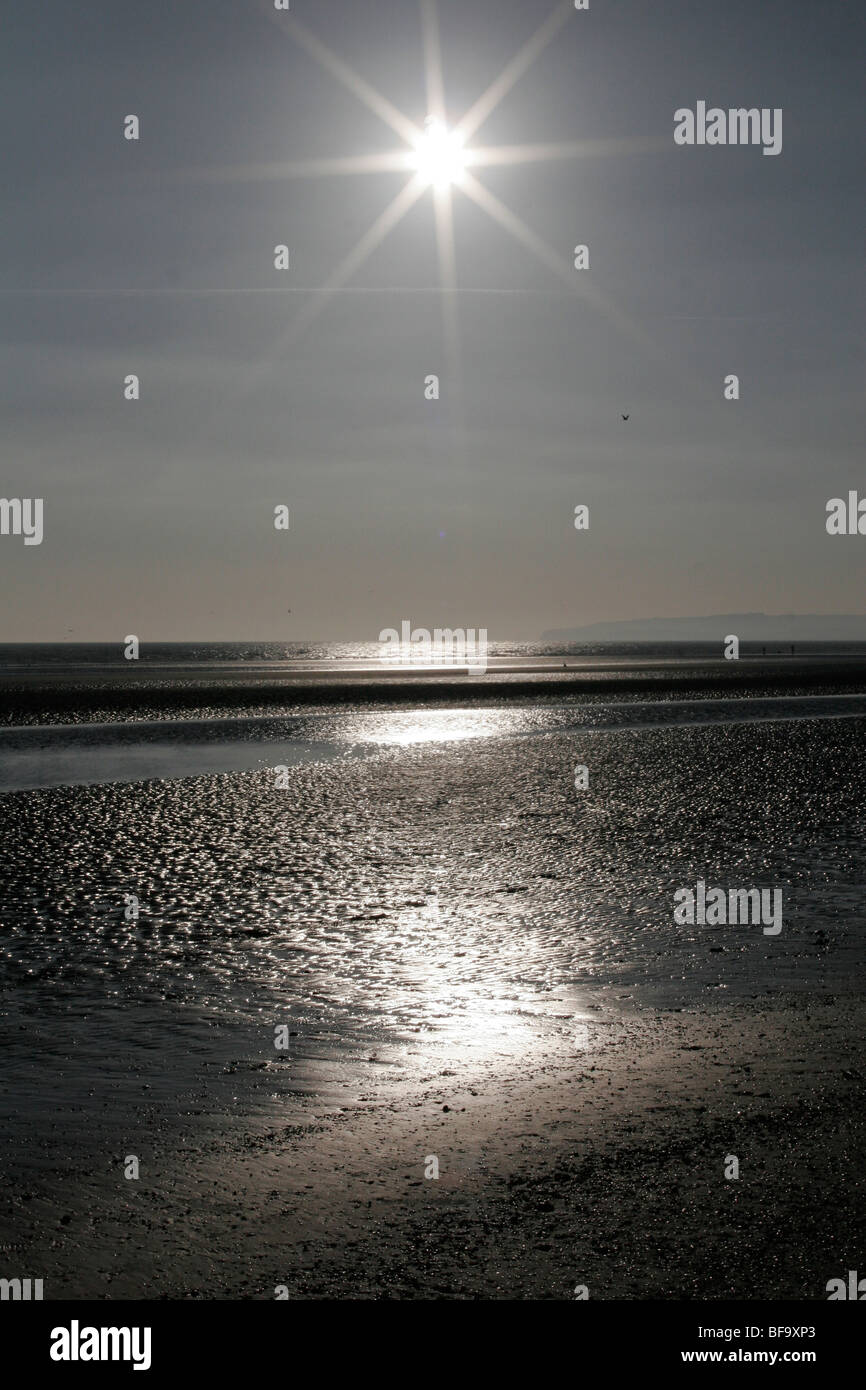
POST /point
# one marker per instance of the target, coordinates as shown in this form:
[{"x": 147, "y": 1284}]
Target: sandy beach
[
  {"x": 602, "y": 1165},
  {"x": 477, "y": 971}
]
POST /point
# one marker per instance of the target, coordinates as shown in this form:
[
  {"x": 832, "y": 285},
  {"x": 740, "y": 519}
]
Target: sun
[
  {"x": 439, "y": 157},
  {"x": 443, "y": 158}
]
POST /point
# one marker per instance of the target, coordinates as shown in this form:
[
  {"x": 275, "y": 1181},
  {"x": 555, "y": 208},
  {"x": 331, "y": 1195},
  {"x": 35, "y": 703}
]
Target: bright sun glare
[
  {"x": 443, "y": 159},
  {"x": 439, "y": 157}
]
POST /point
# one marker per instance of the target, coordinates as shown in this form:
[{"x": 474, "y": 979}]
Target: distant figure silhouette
[{"x": 792, "y": 650}]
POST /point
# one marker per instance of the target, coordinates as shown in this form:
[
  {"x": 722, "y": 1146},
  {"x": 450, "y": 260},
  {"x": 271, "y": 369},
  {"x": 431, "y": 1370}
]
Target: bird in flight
[{"x": 625, "y": 417}]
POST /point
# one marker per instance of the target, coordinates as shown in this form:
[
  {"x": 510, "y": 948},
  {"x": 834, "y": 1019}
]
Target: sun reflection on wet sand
[{"x": 468, "y": 1008}]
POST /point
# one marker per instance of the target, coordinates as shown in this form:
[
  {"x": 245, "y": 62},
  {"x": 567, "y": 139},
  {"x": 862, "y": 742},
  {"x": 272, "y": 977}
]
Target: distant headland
[{"x": 754, "y": 627}]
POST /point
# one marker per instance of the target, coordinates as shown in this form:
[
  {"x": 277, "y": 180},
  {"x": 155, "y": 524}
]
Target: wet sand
[
  {"x": 601, "y": 1164},
  {"x": 479, "y": 966},
  {"x": 29, "y": 693}
]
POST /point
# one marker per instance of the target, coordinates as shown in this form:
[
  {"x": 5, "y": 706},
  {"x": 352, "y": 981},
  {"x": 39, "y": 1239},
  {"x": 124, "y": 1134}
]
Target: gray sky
[{"x": 153, "y": 257}]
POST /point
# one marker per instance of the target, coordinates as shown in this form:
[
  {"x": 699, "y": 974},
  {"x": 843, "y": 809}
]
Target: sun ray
[
  {"x": 488, "y": 156},
  {"x": 372, "y": 238},
  {"x": 443, "y": 204},
  {"x": 509, "y": 220},
  {"x": 373, "y": 100},
  {"x": 320, "y": 298},
  {"x": 389, "y": 161},
  {"x": 444, "y": 214},
  {"x": 517, "y": 228},
  {"x": 513, "y": 71},
  {"x": 432, "y": 60}
]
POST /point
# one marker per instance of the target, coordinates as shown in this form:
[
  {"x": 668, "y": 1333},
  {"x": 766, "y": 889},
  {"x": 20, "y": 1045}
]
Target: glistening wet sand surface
[
  {"x": 600, "y": 1167},
  {"x": 435, "y": 914}
]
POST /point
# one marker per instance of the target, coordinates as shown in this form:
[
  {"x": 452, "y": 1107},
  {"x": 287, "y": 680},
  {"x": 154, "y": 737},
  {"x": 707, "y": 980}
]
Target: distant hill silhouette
[{"x": 749, "y": 627}]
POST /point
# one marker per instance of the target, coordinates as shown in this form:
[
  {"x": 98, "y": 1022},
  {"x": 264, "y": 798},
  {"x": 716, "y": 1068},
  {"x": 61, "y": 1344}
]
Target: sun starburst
[{"x": 437, "y": 156}]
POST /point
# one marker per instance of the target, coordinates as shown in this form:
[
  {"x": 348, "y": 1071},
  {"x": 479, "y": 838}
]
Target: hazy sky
[{"x": 156, "y": 258}]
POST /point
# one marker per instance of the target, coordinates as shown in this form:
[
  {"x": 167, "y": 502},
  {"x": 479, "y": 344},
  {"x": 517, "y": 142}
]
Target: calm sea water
[{"x": 34, "y": 655}]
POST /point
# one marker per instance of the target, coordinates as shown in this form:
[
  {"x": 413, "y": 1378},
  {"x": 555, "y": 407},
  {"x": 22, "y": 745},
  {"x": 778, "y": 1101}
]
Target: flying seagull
[{"x": 625, "y": 417}]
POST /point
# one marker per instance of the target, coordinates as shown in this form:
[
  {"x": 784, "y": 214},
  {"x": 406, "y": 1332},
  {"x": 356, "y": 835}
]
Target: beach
[
  {"x": 601, "y": 1172},
  {"x": 422, "y": 941}
]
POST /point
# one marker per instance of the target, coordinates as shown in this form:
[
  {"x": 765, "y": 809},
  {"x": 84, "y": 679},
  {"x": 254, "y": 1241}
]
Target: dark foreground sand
[{"x": 603, "y": 1167}]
